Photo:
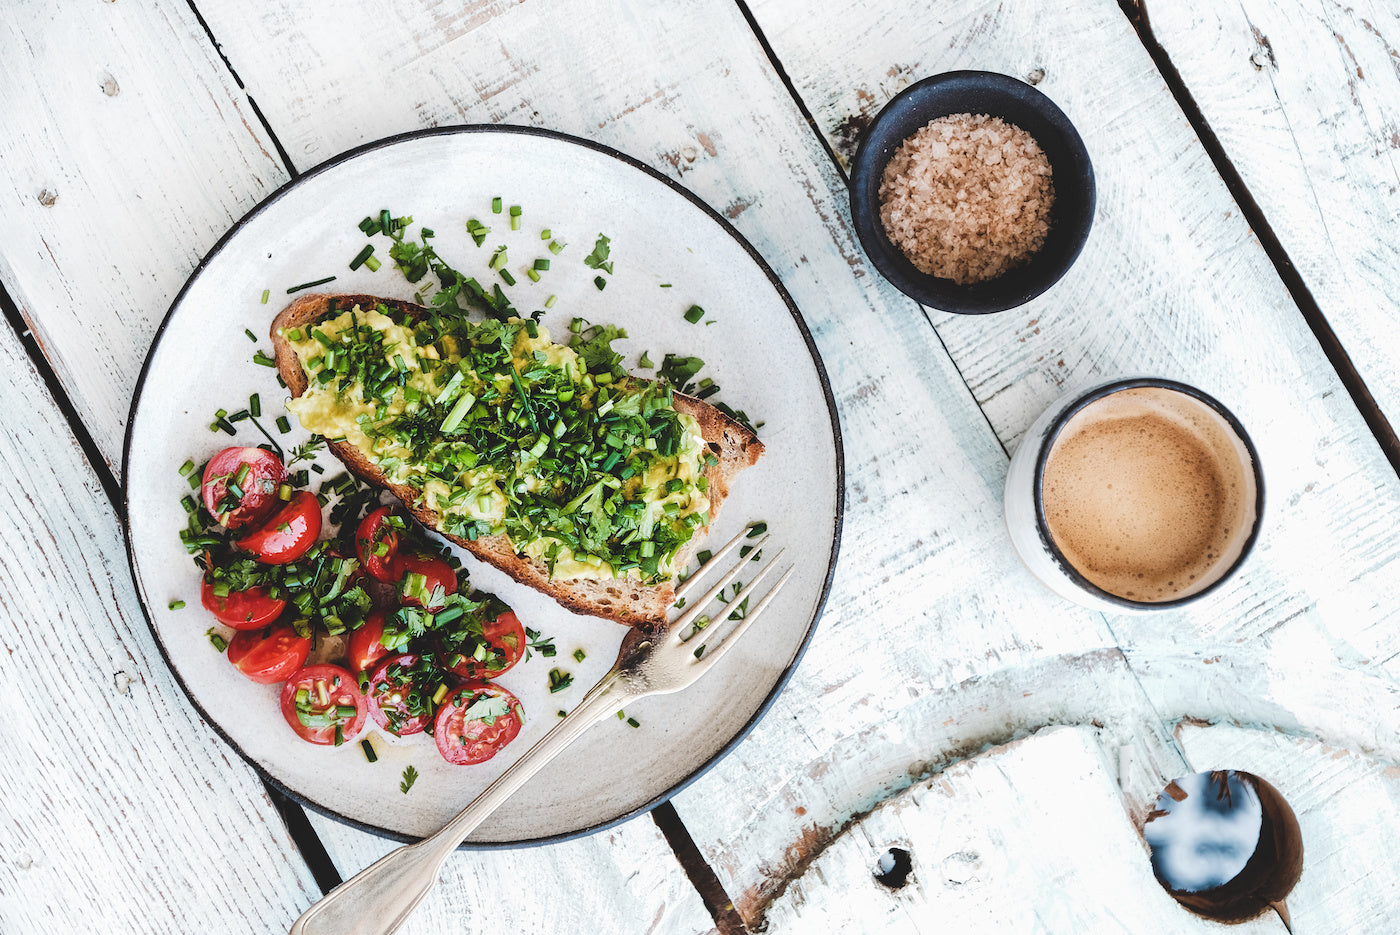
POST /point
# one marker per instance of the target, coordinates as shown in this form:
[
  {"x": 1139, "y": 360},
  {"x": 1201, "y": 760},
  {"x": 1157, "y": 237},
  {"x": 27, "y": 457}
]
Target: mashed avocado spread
[{"x": 504, "y": 431}]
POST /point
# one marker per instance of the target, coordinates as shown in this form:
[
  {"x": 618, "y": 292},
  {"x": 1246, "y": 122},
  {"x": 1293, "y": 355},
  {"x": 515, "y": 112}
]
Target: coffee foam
[{"x": 1148, "y": 494}]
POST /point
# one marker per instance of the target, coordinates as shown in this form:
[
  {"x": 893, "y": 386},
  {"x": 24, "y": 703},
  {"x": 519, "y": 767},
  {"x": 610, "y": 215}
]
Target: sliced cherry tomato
[
  {"x": 290, "y": 532},
  {"x": 436, "y": 574},
  {"x": 377, "y": 545},
  {"x": 505, "y": 644},
  {"x": 476, "y": 721},
  {"x": 252, "y": 609},
  {"x": 240, "y": 486},
  {"x": 270, "y": 655},
  {"x": 318, "y": 699},
  {"x": 365, "y": 647},
  {"x": 392, "y": 702}
]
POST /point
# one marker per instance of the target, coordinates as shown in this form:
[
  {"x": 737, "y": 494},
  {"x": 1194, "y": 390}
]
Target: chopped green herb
[
  {"x": 496, "y": 205},
  {"x": 410, "y": 776},
  {"x": 558, "y": 680},
  {"x": 362, "y": 256},
  {"x": 370, "y": 755},
  {"x": 263, "y": 359},
  {"x": 283, "y": 425},
  {"x": 176, "y": 605},
  {"x": 694, "y": 314},
  {"x": 579, "y": 655},
  {"x": 251, "y": 337},
  {"x": 600, "y": 282},
  {"x": 373, "y": 264},
  {"x": 598, "y": 259},
  {"x": 634, "y": 722},
  {"x": 645, "y": 361},
  {"x": 545, "y": 234},
  {"x": 216, "y": 639},
  {"x": 255, "y": 405},
  {"x": 266, "y": 293},
  {"x": 555, "y": 247},
  {"x": 756, "y": 530},
  {"x": 308, "y": 285}
]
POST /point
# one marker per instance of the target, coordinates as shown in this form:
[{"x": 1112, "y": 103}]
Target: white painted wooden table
[{"x": 1245, "y": 241}]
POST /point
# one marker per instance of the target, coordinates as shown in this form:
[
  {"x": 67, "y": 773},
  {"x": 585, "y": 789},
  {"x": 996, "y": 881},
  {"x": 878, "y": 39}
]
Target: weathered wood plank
[
  {"x": 126, "y": 150},
  {"x": 119, "y": 809},
  {"x": 923, "y": 533},
  {"x": 1031, "y": 836},
  {"x": 1345, "y": 803},
  {"x": 1304, "y": 96}
]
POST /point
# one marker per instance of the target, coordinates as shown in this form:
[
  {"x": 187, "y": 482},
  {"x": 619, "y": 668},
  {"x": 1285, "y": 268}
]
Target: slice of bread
[{"x": 624, "y": 600}]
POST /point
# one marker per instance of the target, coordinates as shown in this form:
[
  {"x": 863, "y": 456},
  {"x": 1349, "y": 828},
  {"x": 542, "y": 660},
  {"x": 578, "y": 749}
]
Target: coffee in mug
[{"x": 1137, "y": 494}]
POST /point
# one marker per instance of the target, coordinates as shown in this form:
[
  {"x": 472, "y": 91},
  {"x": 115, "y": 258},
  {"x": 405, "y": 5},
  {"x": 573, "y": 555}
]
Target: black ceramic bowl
[{"x": 976, "y": 92}]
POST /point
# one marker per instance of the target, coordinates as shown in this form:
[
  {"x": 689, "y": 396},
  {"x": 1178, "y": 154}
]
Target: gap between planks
[
  {"x": 312, "y": 851},
  {"x": 1137, "y": 13}
]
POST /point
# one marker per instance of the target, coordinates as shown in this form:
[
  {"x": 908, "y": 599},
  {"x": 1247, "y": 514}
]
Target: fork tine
[
  {"x": 689, "y": 583},
  {"x": 712, "y": 654},
  {"x": 684, "y": 620}
]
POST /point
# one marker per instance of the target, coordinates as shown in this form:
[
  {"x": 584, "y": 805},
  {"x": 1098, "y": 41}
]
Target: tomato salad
[{"x": 370, "y": 624}]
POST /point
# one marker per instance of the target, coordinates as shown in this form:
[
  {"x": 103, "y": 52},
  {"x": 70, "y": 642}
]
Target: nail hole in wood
[
  {"x": 1225, "y": 845},
  {"x": 893, "y": 867}
]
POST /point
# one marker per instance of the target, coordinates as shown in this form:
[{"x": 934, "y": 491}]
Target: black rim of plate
[
  {"x": 724, "y": 225},
  {"x": 1052, "y": 432},
  {"x": 1021, "y": 104}
]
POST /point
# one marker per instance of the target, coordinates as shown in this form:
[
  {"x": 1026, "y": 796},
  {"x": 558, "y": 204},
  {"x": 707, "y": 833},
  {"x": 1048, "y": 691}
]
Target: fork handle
[{"x": 380, "y": 898}]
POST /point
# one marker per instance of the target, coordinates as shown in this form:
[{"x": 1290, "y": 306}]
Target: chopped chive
[
  {"x": 368, "y": 747},
  {"x": 251, "y": 337},
  {"x": 634, "y": 722},
  {"x": 665, "y": 285},
  {"x": 560, "y": 713},
  {"x": 283, "y": 425},
  {"x": 255, "y": 405},
  {"x": 545, "y": 234},
  {"x": 496, "y": 205},
  {"x": 542, "y": 264},
  {"x": 621, "y": 716},
  {"x": 756, "y": 530},
  {"x": 368, "y": 226},
  {"x": 645, "y": 361},
  {"x": 555, "y": 247},
  {"x": 600, "y": 282},
  {"x": 510, "y": 280},
  {"x": 218, "y": 640},
  {"x": 694, "y": 314},
  {"x": 308, "y": 285},
  {"x": 534, "y": 276},
  {"x": 186, "y": 468},
  {"x": 386, "y": 222},
  {"x": 266, "y": 293},
  {"x": 363, "y": 255},
  {"x": 579, "y": 655},
  {"x": 549, "y": 302},
  {"x": 478, "y": 231},
  {"x": 176, "y": 605}
]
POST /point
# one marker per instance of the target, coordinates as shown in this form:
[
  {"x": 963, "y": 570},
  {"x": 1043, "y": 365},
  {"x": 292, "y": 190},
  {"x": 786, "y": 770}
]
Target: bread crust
[{"x": 624, "y": 600}]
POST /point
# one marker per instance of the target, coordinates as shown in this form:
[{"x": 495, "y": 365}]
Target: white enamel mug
[{"x": 1029, "y": 529}]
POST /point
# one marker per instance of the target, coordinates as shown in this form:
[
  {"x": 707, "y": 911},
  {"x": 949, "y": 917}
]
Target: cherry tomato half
[
  {"x": 318, "y": 699},
  {"x": 270, "y": 655},
  {"x": 252, "y": 609},
  {"x": 377, "y": 545},
  {"x": 365, "y": 646},
  {"x": 505, "y": 640},
  {"x": 475, "y": 722},
  {"x": 240, "y": 486},
  {"x": 436, "y": 574},
  {"x": 390, "y": 697},
  {"x": 290, "y": 532}
]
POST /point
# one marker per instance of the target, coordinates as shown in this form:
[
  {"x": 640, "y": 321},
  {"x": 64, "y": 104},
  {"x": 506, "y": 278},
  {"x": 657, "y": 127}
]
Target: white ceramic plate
[{"x": 757, "y": 349}]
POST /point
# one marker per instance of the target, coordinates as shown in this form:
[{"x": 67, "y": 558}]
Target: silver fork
[{"x": 380, "y": 898}]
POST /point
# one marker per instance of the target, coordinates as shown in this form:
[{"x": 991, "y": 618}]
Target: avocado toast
[{"x": 541, "y": 459}]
